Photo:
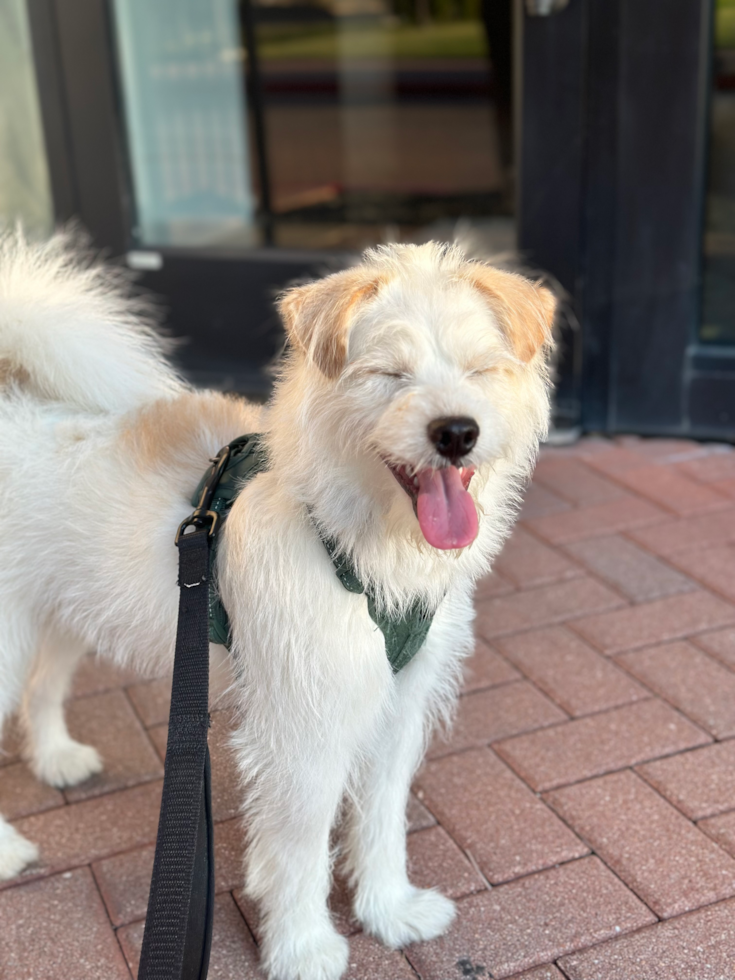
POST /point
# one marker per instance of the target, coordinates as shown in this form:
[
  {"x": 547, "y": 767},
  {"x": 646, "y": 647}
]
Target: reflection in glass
[
  {"x": 186, "y": 128},
  {"x": 380, "y": 119},
  {"x": 25, "y": 193},
  {"x": 718, "y": 313},
  {"x": 317, "y": 123}
]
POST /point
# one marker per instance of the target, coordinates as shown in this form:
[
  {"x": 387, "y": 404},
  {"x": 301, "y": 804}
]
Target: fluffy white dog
[{"x": 406, "y": 418}]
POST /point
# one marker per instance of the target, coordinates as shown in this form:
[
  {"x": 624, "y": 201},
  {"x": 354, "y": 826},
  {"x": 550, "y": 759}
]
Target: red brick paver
[
  {"x": 371, "y": 961},
  {"x": 698, "y": 946},
  {"x": 713, "y": 567},
  {"x": 594, "y": 522},
  {"x": 600, "y": 743},
  {"x": 720, "y": 644},
  {"x": 548, "y": 972},
  {"x": 722, "y": 830},
  {"x": 574, "y": 481},
  {"x": 58, "y": 928},
  {"x": 527, "y": 562},
  {"x": 668, "y": 538},
  {"x": 108, "y": 722},
  {"x": 670, "y": 489},
  {"x": 435, "y": 861},
  {"x": 544, "y": 605},
  {"x": 542, "y": 916},
  {"x": 635, "y": 831},
  {"x": 655, "y": 622},
  {"x": 698, "y": 685},
  {"x": 539, "y": 502},
  {"x": 486, "y": 716},
  {"x": 633, "y": 571},
  {"x": 587, "y": 790},
  {"x": 710, "y": 469},
  {"x": 578, "y": 678},
  {"x": 494, "y": 816},
  {"x": 21, "y": 793},
  {"x": 487, "y": 669},
  {"x": 151, "y": 700},
  {"x": 700, "y": 783}
]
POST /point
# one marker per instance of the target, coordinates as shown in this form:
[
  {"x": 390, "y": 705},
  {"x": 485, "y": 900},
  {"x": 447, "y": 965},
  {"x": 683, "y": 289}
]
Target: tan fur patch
[
  {"x": 525, "y": 309},
  {"x": 170, "y": 430},
  {"x": 10, "y": 374},
  {"x": 317, "y": 316}
]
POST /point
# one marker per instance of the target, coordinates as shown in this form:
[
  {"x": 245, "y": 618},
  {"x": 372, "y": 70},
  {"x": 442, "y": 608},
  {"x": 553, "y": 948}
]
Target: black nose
[{"x": 454, "y": 437}]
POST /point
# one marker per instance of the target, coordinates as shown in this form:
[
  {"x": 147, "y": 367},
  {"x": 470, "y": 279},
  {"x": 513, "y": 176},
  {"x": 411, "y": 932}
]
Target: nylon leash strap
[{"x": 178, "y": 928}]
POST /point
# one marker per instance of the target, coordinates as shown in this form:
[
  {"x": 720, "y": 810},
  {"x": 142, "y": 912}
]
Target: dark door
[
  {"x": 628, "y": 198},
  {"x": 226, "y": 147}
]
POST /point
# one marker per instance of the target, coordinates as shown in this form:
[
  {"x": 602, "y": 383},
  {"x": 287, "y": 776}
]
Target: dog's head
[{"x": 432, "y": 364}]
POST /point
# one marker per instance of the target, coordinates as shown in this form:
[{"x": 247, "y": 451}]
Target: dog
[{"x": 405, "y": 421}]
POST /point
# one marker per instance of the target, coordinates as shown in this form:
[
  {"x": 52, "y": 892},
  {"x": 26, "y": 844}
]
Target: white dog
[{"x": 405, "y": 420}]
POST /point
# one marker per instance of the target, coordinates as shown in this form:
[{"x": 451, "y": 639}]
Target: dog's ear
[
  {"x": 524, "y": 309},
  {"x": 318, "y": 316}
]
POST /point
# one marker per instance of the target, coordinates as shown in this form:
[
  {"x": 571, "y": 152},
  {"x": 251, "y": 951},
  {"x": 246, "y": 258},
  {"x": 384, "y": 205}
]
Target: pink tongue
[{"x": 446, "y": 511}]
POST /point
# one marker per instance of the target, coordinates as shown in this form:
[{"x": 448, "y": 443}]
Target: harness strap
[
  {"x": 178, "y": 928},
  {"x": 404, "y": 634}
]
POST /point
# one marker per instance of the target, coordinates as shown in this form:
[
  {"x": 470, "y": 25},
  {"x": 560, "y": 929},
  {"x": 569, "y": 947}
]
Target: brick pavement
[{"x": 582, "y": 811}]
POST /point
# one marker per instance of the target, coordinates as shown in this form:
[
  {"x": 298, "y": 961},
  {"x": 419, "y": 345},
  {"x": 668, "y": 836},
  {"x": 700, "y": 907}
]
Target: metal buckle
[
  {"x": 199, "y": 519},
  {"x": 202, "y": 515}
]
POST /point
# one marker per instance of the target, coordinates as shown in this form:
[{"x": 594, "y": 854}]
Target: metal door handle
[{"x": 544, "y": 8}]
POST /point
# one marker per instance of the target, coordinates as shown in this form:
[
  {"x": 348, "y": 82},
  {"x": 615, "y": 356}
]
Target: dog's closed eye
[
  {"x": 398, "y": 375},
  {"x": 481, "y": 372}
]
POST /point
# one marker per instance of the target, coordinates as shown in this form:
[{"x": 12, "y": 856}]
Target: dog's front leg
[
  {"x": 289, "y": 869},
  {"x": 299, "y": 746},
  {"x": 386, "y": 903}
]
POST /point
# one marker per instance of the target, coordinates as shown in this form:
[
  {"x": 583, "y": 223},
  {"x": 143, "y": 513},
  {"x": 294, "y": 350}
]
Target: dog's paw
[
  {"x": 417, "y": 914},
  {"x": 15, "y": 851},
  {"x": 319, "y": 954},
  {"x": 67, "y": 765}
]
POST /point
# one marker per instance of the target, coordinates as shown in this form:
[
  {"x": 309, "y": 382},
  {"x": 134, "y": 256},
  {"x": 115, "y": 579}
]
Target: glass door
[
  {"x": 627, "y": 195},
  {"x": 25, "y": 194},
  {"x": 228, "y": 147},
  {"x": 185, "y": 130},
  {"x": 330, "y": 125},
  {"x": 718, "y": 302},
  {"x": 383, "y": 121}
]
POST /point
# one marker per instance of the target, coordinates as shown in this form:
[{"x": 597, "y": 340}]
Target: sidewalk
[{"x": 582, "y": 811}]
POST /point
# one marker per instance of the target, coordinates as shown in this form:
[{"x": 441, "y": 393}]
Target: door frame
[
  {"x": 219, "y": 301},
  {"x": 601, "y": 86},
  {"x": 606, "y": 84}
]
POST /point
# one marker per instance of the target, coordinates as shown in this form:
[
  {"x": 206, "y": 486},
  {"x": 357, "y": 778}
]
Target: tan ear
[
  {"x": 524, "y": 309},
  {"x": 318, "y": 316}
]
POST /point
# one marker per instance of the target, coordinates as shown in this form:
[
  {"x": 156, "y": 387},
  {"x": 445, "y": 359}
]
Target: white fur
[{"x": 88, "y": 561}]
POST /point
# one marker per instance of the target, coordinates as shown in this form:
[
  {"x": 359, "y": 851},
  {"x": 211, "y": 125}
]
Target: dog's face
[{"x": 434, "y": 366}]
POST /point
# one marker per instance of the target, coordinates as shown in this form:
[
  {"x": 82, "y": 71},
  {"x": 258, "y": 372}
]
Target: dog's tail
[{"x": 71, "y": 332}]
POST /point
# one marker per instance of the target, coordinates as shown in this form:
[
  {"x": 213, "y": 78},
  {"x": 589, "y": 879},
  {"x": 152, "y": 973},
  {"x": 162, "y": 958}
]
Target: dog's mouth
[{"x": 445, "y": 510}]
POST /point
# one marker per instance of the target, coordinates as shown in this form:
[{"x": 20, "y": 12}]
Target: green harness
[{"x": 404, "y": 635}]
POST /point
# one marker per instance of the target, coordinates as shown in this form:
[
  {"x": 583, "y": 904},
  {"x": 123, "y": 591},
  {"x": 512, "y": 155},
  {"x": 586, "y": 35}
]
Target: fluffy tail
[{"x": 70, "y": 331}]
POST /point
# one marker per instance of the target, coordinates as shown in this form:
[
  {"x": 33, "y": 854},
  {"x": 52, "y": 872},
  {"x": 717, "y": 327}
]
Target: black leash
[{"x": 178, "y": 928}]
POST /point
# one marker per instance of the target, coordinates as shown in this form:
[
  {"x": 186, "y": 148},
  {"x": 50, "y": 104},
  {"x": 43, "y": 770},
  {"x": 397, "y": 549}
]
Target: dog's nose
[{"x": 454, "y": 436}]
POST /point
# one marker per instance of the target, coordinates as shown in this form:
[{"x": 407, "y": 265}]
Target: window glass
[
  {"x": 329, "y": 124},
  {"x": 24, "y": 183},
  {"x": 718, "y": 312},
  {"x": 181, "y": 68},
  {"x": 383, "y": 119}
]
